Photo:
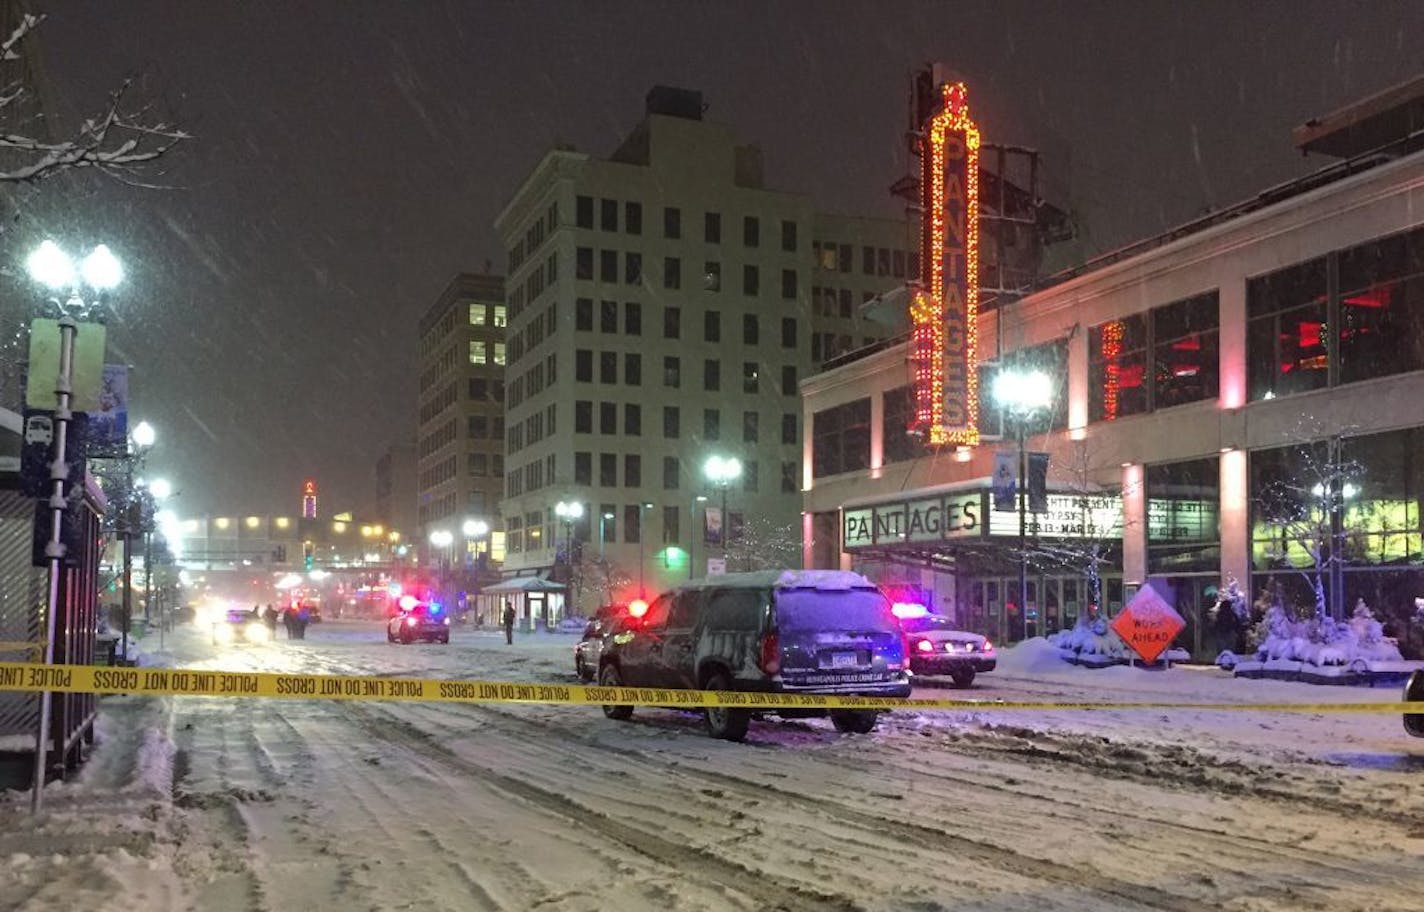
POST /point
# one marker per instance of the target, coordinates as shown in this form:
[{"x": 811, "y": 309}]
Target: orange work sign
[{"x": 1148, "y": 625}]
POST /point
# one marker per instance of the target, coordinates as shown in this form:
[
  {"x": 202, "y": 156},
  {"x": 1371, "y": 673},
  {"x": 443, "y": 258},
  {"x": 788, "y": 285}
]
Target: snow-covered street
[{"x": 214, "y": 804}]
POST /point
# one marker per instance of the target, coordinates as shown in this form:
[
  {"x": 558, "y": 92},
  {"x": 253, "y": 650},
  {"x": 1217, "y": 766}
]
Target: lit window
[
  {"x": 498, "y": 316},
  {"x": 477, "y": 315},
  {"x": 498, "y": 352},
  {"x": 477, "y": 351}
]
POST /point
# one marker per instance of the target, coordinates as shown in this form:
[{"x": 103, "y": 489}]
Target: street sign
[
  {"x": 716, "y": 566},
  {"x": 1148, "y": 625},
  {"x": 86, "y": 374}
]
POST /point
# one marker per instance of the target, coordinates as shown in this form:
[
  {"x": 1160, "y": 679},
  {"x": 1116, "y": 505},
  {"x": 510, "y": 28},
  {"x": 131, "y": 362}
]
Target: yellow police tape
[{"x": 19, "y": 676}]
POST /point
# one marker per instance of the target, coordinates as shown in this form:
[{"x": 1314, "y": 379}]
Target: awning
[{"x": 523, "y": 584}]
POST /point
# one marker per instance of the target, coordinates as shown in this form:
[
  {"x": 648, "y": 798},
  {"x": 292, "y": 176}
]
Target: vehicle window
[
  {"x": 735, "y": 609},
  {"x": 684, "y": 610},
  {"x": 927, "y": 622},
  {"x": 657, "y": 615},
  {"x": 827, "y": 609}
]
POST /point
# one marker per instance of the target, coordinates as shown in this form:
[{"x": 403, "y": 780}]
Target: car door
[
  {"x": 680, "y": 641},
  {"x": 641, "y": 654}
]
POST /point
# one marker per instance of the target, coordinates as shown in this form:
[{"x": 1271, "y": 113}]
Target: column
[
  {"x": 1134, "y": 525},
  {"x": 1235, "y": 519}
]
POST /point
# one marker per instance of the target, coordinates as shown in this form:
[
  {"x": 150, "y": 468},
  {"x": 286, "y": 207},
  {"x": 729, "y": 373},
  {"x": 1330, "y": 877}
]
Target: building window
[
  {"x": 751, "y": 377},
  {"x": 711, "y": 424},
  {"x": 498, "y": 355},
  {"x": 1287, "y": 313},
  {"x": 712, "y": 326},
  {"x": 751, "y": 231},
  {"x": 788, "y": 380},
  {"x": 788, "y": 332},
  {"x": 749, "y": 476},
  {"x": 672, "y": 272},
  {"x": 840, "y": 439},
  {"x": 607, "y": 523},
  {"x": 1183, "y": 509},
  {"x": 670, "y": 526},
  {"x": 607, "y": 417},
  {"x": 671, "y": 422},
  {"x": 1117, "y": 368},
  {"x": 899, "y": 264},
  {"x": 672, "y": 371},
  {"x": 1177, "y": 340},
  {"x": 583, "y": 263},
  {"x": 478, "y": 354},
  {"x": 633, "y": 419},
  {"x": 672, "y": 223},
  {"x": 751, "y": 281},
  {"x": 672, "y": 473},
  {"x": 1049, "y": 357},
  {"x": 608, "y": 470},
  {"x": 672, "y": 323},
  {"x": 477, "y": 315},
  {"x": 788, "y": 428},
  {"x": 845, "y": 258},
  {"x": 478, "y": 389},
  {"x": 607, "y": 367},
  {"x": 788, "y": 477},
  {"x": 1381, "y": 308},
  {"x": 583, "y": 468},
  {"x": 867, "y": 260},
  {"x": 608, "y": 316},
  {"x": 632, "y": 319},
  {"x": 711, "y": 375},
  {"x": 608, "y": 215},
  {"x": 608, "y": 266},
  {"x": 632, "y": 268},
  {"x": 583, "y": 211},
  {"x": 788, "y": 236},
  {"x": 633, "y": 218},
  {"x": 712, "y": 276},
  {"x": 477, "y": 464},
  {"x": 788, "y": 284},
  {"x": 751, "y": 424},
  {"x": 633, "y": 369},
  {"x": 583, "y": 366},
  {"x": 899, "y": 444},
  {"x": 583, "y": 417},
  {"x": 583, "y": 315},
  {"x": 632, "y": 523},
  {"x": 712, "y": 228},
  {"x": 751, "y": 330},
  {"x": 632, "y": 470},
  {"x": 477, "y": 427},
  {"x": 497, "y": 320}
]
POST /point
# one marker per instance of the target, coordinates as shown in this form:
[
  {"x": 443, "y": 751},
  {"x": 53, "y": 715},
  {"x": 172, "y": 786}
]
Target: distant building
[
  {"x": 397, "y": 489},
  {"x": 664, "y": 304},
  {"x": 460, "y": 432}
]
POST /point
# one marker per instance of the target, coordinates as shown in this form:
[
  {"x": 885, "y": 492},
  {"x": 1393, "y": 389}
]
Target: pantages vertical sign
[{"x": 944, "y": 307}]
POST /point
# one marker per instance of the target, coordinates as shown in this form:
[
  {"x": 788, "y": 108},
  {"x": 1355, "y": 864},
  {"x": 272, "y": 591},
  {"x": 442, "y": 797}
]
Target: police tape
[{"x": 32, "y": 678}]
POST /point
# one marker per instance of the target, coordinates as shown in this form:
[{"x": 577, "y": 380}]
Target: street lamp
[
  {"x": 692, "y": 539},
  {"x": 569, "y": 512},
  {"x": 144, "y": 434},
  {"x": 602, "y": 518},
  {"x": 722, "y": 472},
  {"x": 1022, "y": 393},
  {"x": 100, "y": 271},
  {"x": 642, "y": 536}
]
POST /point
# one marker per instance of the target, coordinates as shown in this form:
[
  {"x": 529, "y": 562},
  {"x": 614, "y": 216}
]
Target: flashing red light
[
  {"x": 770, "y": 653},
  {"x": 924, "y": 646},
  {"x": 908, "y": 610},
  {"x": 637, "y": 608},
  {"x": 411, "y": 622},
  {"x": 408, "y": 602}
]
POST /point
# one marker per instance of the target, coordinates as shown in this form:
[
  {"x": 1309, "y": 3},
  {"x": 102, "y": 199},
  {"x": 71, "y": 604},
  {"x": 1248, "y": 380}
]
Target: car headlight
[
  {"x": 447, "y": 622},
  {"x": 256, "y": 632},
  {"x": 222, "y": 633}
]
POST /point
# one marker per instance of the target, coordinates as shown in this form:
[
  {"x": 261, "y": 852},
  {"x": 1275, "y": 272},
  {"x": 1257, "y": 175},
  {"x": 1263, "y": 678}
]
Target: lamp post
[
  {"x": 442, "y": 539},
  {"x": 1022, "y": 394},
  {"x": 602, "y": 518},
  {"x": 100, "y": 271},
  {"x": 692, "y": 546},
  {"x": 722, "y": 471},
  {"x": 642, "y": 536}
]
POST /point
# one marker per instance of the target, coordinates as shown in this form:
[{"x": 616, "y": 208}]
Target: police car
[{"x": 418, "y": 620}]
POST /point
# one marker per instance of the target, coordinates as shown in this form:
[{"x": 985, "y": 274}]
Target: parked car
[
  {"x": 239, "y": 625},
  {"x": 590, "y": 644},
  {"x": 1414, "y": 693},
  {"x": 937, "y": 648},
  {"x": 419, "y": 620},
  {"x": 794, "y": 631}
]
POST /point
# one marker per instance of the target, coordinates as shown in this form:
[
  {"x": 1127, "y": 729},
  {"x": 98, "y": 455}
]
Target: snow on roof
[{"x": 785, "y": 579}]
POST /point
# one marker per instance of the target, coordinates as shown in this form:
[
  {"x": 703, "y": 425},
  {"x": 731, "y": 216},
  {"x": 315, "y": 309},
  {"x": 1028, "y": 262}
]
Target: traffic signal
[{"x": 308, "y": 555}]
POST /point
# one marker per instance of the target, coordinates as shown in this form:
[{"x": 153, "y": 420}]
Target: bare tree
[
  {"x": 761, "y": 544},
  {"x": 1097, "y": 540},
  {"x": 1303, "y": 508},
  {"x": 595, "y": 573},
  {"x": 117, "y": 141}
]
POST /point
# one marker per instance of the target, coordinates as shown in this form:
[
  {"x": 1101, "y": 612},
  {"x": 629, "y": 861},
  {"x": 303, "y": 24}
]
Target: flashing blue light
[
  {"x": 394, "y": 590},
  {"x": 434, "y": 607}
]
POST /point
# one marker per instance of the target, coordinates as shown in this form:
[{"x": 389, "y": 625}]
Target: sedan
[
  {"x": 937, "y": 648},
  {"x": 419, "y": 621}
]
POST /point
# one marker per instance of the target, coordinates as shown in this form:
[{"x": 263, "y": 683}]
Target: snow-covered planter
[
  {"x": 1318, "y": 648},
  {"x": 1091, "y": 642}
]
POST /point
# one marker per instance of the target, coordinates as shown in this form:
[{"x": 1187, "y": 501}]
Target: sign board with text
[
  {"x": 931, "y": 519},
  {"x": 1148, "y": 624}
]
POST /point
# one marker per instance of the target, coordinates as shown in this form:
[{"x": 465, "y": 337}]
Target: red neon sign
[{"x": 944, "y": 310}]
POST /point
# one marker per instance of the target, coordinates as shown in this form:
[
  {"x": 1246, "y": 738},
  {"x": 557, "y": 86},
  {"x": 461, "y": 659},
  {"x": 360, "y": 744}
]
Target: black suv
[{"x": 795, "y": 631}]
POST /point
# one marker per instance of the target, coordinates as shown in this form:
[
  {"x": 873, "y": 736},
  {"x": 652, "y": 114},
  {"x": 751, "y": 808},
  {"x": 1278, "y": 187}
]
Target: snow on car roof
[{"x": 785, "y": 579}]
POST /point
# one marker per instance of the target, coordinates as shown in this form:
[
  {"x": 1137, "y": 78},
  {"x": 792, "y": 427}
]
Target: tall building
[
  {"x": 396, "y": 488},
  {"x": 661, "y": 313},
  {"x": 460, "y": 434}
]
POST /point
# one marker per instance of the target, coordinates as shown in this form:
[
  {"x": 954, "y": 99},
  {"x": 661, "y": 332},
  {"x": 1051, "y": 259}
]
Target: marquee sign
[
  {"x": 944, "y": 307},
  {"x": 929, "y": 519}
]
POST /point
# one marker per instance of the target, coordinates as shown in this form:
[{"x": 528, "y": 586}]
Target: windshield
[
  {"x": 926, "y": 623},
  {"x": 828, "y": 609}
]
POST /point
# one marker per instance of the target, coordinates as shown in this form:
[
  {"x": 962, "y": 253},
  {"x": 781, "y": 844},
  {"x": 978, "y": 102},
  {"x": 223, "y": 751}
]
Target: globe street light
[
  {"x": 160, "y": 488},
  {"x": 144, "y": 435},
  {"x": 692, "y": 539},
  {"x": 568, "y": 511},
  {"x": 53, "y": 268},
  {"x": 722, "y": 471},
  {"x": 602, "y": 518},
  {"x": 1021, "y": 394}
]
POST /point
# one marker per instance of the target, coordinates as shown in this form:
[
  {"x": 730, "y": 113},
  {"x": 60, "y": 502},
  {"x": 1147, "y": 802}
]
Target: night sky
[{"x": 349, "y": 157}]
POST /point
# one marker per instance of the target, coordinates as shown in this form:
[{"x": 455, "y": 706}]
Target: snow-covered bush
[
  {"x": 1321, "y": 640},
  {"x": 1090, "y": 636}
]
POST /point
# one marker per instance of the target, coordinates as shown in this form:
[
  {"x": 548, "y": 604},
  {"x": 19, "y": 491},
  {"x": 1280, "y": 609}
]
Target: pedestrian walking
[
  {"x": 270, "y": 619},
  {"x": 289, "y": 621},
  {"x": 508, "y": 619}
]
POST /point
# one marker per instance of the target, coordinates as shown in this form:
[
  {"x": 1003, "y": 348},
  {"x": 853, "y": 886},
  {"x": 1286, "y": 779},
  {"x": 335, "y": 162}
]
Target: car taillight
[
  {"x": 924, "y": 646},
  {"x": 411, "y": 621},
  {"x": 987, "y": 646},
  {"x": 770, "y": 653}
]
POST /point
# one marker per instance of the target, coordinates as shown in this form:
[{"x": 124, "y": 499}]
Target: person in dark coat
[
  {"x": 270, "y": 619},
  {"x": 508, "y": 620},
  {"x": 303, "y": 619},
  {"x": 289, "y": 621}
]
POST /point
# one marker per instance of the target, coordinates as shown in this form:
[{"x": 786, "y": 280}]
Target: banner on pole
[
  {"x": 1037, "y": 482},
  {"x": 85, "y": 375},
  {"x": 109, "y": 422},
  {"x": 713, "y": 525},
  {"x": 1005, "y": 482}
]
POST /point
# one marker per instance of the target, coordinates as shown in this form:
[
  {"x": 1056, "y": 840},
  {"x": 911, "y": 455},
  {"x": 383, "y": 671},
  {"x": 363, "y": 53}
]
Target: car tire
[
  {"x": 445, "y": 640},
  {"x": 723, "y": 722},
  {"x": 405, "y": 638},
  {"x": 580, "y": 670},
  {"x": 854, "y": 721},
  {"x": 609, "y": 677},
  {"x": 1414, "y": 692},
  {"x": 963, "y": 677}
]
